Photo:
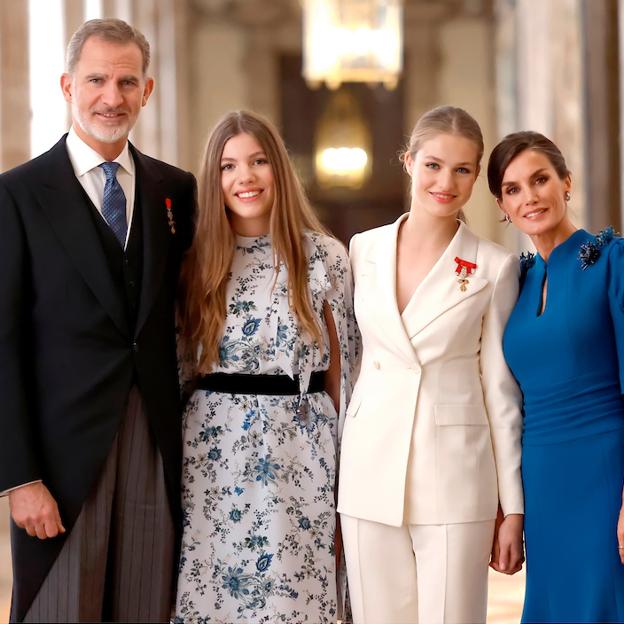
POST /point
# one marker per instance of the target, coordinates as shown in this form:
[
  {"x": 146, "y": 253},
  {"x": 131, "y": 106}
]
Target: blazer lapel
[
  {"x": 382, "y": 259},
  {"x": 66, "y": 206},
  {"x": 440, "y": 290},
  {"x": 156, "y": 235}
]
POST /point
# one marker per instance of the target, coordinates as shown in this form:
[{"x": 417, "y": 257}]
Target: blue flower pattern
[
  {"x": 266, "y": 470},
  {"x": 258, "y": 478}
]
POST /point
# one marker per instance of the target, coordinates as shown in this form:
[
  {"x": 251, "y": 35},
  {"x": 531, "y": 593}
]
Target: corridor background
[{"x": 550, "y": 65}]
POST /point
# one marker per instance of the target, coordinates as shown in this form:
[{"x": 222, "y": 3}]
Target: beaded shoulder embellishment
[
  {"x": 527, "y": 260},
  {"x": 589, "y": 252}
]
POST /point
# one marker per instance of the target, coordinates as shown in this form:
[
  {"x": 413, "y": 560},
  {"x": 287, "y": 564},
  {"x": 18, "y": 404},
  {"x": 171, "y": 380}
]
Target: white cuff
[{"x": 17, "y": 487}]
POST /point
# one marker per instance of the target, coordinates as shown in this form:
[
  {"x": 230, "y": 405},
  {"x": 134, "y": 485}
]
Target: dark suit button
[
  {"x": 135, "y": 347},
  {"x": 131, "y": 283},
  {"x": 126, "y": 262}
]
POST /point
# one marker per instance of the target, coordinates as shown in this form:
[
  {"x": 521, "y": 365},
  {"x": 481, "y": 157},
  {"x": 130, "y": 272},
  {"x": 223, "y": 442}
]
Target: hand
[
  {"x": 495, "y": 555},
  {"x": 34, "y": 509},
  {"x": 338, "y": 543},
  {"x": 620, "y": 533},
  {"x": 507, "y": 549}
]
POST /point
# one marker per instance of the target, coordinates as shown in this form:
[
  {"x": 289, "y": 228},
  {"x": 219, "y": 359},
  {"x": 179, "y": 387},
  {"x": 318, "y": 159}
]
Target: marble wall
[{"x": 14, "y": 85}]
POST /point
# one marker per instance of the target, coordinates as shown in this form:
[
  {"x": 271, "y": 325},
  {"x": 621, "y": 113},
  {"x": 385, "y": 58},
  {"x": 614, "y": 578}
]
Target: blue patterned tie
[{"x": 114, "y": 203}]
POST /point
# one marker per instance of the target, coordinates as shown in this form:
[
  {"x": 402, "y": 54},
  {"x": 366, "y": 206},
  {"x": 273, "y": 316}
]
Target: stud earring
[
  {"x": 567, "y": 196},
  {"x": 507, "y": 218}
]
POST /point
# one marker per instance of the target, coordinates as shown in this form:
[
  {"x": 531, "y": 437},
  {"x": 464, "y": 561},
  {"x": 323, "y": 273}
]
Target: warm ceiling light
[
  {"x": 343, "y": 161},
  {"x": 352, "y": 41},
  {"x": 342, "y": 143}
]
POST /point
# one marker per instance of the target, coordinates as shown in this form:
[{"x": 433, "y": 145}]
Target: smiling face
[
  {"x": 106, "y": 91},
  {"x": 533, "y": 194},
  {"x": 443, "y": 172},
  {"x": 248, "y": 186}
]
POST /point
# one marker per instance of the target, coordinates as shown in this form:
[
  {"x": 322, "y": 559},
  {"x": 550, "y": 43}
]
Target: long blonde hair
[{"x": 206, "y": 267}]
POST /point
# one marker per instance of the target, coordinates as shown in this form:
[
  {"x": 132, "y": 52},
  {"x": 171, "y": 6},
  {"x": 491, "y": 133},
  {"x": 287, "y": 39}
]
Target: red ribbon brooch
[
  {"x": 463, "y": 271},
  {"x": 170, "y": 219}
]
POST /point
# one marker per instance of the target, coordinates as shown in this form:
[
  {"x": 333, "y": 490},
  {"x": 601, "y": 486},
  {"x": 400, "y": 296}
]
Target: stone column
[
  {"x": 161, "y": 123},
  {"x": 466, "y": 79},
  {"x": 545, "y": 74},
  {"x": 601, "y": 77},
  {"x": 14, "y": 84},
  {"x": 169, "y": 118},
  {"x": 181, "y": 89},
  {"x": 146, "y": 133},
  {"x": 218, "y": 84},
  {"x": 74, "y": 16},
  {"x": 421, "y": 60},
  {"x": 541, "y": 84},
  {"x": 261, "y": 60}
]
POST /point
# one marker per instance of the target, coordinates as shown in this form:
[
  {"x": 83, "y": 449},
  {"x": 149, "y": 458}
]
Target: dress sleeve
[
  {"x": 616, "y": 300},
  {"x": 339, "y": 296},
  {"x": 501, "y": 393},
  {"x": 186, "y": 368}
]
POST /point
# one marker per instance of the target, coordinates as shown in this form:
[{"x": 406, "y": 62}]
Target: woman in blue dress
[{"x": 564, "y": 343}]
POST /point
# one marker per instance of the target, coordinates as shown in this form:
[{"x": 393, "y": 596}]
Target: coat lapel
[
  {"x": 440, "y": 291},
  {"x": 65, "y": 204},
  {"x": 156, "y": 234},
  {"x": 382, "y": 259}
]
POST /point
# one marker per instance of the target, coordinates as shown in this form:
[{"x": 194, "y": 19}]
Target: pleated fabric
[{"x": 118, "y": 562}]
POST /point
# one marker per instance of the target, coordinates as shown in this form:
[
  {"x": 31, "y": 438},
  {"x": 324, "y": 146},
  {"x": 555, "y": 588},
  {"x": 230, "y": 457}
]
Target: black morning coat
[{"x": 69, "y": 350}]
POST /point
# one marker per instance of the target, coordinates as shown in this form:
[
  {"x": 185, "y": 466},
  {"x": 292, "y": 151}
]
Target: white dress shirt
[{"x": 85, "y": 161}]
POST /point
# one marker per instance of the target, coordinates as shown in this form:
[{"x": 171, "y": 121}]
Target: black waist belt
[{"x": 239, "y": 383}]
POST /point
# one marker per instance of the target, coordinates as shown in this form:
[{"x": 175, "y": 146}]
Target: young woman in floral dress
[{"x": 266, "y": 313}]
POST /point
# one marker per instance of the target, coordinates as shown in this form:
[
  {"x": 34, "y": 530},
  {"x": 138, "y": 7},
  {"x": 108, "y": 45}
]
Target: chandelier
[
  {"x": 352, "y": 41},
  {"x": 342, "y": 143}
]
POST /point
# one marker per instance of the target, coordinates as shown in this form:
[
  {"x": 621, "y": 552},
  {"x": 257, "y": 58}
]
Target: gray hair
[{"x": 112, "y": 30}]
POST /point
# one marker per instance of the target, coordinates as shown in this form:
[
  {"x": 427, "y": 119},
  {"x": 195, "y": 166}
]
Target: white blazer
[{"x": 432, "y": 432}]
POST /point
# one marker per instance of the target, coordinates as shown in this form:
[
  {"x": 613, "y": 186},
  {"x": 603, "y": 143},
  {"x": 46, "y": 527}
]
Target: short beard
[{"x": 115, "y": 134}]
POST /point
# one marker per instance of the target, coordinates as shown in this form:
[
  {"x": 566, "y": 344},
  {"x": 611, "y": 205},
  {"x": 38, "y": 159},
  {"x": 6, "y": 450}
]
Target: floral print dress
[{"x": 259, "y": 474}]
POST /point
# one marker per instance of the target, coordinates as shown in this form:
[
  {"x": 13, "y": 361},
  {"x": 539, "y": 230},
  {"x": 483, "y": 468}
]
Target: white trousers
[{"x": 417, "y": 574}]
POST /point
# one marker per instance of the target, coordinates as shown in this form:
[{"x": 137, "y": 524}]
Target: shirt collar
[{"x": 84, "y": 158}]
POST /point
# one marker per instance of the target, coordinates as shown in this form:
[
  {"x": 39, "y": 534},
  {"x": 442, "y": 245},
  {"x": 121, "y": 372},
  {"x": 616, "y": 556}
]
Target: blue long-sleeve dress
[{"x": 569, "y": 362}]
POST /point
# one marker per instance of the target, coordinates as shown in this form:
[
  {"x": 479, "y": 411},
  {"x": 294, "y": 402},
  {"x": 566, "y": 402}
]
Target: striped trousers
[{"x": 117, "y": 564}]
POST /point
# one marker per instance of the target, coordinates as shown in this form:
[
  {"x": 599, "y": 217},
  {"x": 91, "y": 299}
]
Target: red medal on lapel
[
  {"x": 170, "y": 219},
  {"x": 463, "y": 270}
]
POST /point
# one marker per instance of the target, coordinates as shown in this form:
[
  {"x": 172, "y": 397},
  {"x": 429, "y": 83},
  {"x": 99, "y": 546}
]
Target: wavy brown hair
[{"x": 206, "y": 267}]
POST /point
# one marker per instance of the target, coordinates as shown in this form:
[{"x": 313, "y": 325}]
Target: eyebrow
[
  {"x": 461, "y": 164},
  {"x": 536, "y": 172},
  {"x": 254, "y": 155},
  {"x": 105, "y": 75}
]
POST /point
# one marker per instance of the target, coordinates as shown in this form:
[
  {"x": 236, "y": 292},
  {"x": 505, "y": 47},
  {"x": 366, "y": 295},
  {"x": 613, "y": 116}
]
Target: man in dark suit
[{"x": 91, "y": 238}]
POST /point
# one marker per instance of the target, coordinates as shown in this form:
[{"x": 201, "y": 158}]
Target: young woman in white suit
[{"x": 431, "y": 444}]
